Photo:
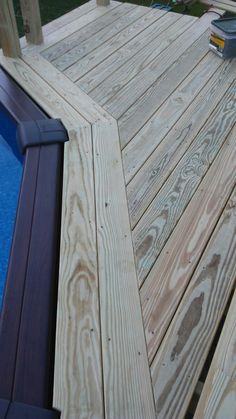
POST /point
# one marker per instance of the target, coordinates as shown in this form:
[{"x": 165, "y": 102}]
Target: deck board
[
  {"x": 218, "y": 395},
  {"x": 195, "y": 321},
  {"x": 148, "y": 173}
]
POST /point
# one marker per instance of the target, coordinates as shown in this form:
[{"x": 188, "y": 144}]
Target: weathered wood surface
[
  {"x": 104, "y": 67},
  {"x": 121, "y": 101},
  {"x": 164, "y": 287},
  {"x": 222, "y": 4},
  {"x": 71, "y": 93},
  {"x": 174, "y": 96},
  {"x": 103, "y": 2},
  {"x": 70, "y": 60},
  {"x": 65, "y": 31},
  {"x": 107, "y": 48},
  {"x": 114, "y": 84},
  {"x": 180, "y": 359},
  {"x": 158, "y": 222},
  {"x": 85, "y": 32},
  {"x": 142, "y": 189},
  {"x": 218, "y": 398},
  {"x": 146, "y": 106},
  {"x": 32, "y": 21},
  {"x": 127, "y": 384},
  {"x": 9, "y": 38}
]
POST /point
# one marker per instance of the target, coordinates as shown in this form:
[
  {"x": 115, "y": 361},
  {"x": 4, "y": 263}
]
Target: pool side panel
[{"x": 28, "y": 318}]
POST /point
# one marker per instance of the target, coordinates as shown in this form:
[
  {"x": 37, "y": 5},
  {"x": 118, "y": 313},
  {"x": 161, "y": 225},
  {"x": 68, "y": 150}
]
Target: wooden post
[
  {"x": 32, "y": 21},
  {"x": 103, "y": 2},
  {"x": 9, "y": 37}
]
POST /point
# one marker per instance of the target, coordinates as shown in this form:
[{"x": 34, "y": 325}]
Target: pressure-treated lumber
[
  {"x": 78, "y": 391},
  {"x": 109, "y": 47},
  {"x": 127, "y": 384},
  {"x": 218, "y": 398},
  {"x": 142, "y": 189},
  {"x": 117, "y": 80},
  {"x": 106, "y": 67},
  {"x": 98, "y": 19},
  {"x": 165, "y": 285},
  {"x": 69, "y": 28},
  {"x": 81, "y": 102},
  {"x": 70, "y": 60},
  {"x": 154, "y": 228},
  {"x": 32, "y": 21},
  {"x": 174, "y": 96},
  {"x": 179, "y": 361},
  {"x": 121, "y": 101},
  {"x": 8, "y": 30}
]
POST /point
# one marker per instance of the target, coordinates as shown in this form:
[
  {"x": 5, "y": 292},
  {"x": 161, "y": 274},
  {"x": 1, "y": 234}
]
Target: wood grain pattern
[
  {"x": 63, "y": 32},
  {"x": 127, "y": 384},
  {"x": 32, "y": 21},
  {"x": 218, "y": 398},
  {"x": 154, "y": 228},
  {"x": 8, "y": 30},
  {"x": 63, "y": 20},
  {"x": 142, "y": 189},
  {"x": 78, "y": 376},
  {"x": 103, "y": 70},
  {"x": 72, "y": 58},
  {"x": 84, "y": 33},
  {"x": 171, "y": 99},
  {"x": 128, "y": 72},
  {"x": 132, "y": 121},
  {"x": 163, "y": 289},
  {"x": 72, "y": 94},
  {"x": 109, "y": 47},
  {"x": 121, "y": 101},
  {"x": 179, "y": 361}
]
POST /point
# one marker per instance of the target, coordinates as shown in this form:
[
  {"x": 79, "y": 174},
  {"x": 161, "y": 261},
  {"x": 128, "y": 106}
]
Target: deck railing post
[
  {"x": 103, "y": 2},
  {"x": 32, "y": 21},
  {"x": 9, "y": 38}
]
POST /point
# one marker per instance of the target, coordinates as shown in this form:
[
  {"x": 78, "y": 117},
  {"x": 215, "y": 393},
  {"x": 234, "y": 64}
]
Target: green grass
[{"x": 51, "y": 9}]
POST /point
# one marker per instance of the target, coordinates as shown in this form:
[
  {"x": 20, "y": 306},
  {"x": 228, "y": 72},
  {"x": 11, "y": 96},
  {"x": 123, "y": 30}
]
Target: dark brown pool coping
[{"x": 28, "y": 317}]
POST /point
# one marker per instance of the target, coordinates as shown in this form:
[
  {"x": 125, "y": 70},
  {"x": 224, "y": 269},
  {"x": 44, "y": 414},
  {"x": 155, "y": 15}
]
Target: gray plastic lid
[{"x": 228, "y": 24}]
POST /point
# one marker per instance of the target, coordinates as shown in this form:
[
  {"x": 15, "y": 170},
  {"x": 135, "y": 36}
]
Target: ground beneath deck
[{"x": 174, "y": 102}]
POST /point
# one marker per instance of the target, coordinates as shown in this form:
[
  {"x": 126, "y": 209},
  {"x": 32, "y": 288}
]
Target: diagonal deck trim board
[
  {"x": 181, "y": 357},
  {"x": 172, "y": 104},
  {"x": 71, "y": 93},
  {"x": 166, "y": 283},
  {"x": 127, "y": 384},
  {"x": 114, "y": 53},
  {"x": 109, "y": 47},
  {"x": 41, "y": 92},
  {"x": 67, "y": 30},
  {"x": 150, "y": 178},
  {"x": 125, "y": 98},
  {"x": 129, "y": 71},
  {"x": 154, "y": 228},
  {"x": 122, "y": 18},
  {"x": 78, "y": 388},
  {"x": 218, "y": 395},
  {"x": 141, "y": 112}
]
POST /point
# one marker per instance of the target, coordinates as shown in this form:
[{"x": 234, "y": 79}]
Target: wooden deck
[{"x": 148, "y": 244}]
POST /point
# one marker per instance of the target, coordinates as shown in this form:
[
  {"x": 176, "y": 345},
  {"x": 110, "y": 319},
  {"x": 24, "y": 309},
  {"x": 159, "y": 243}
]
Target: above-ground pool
[
  {"x": 31, "y": 171},
  {"x": 10, "y": 179}
]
